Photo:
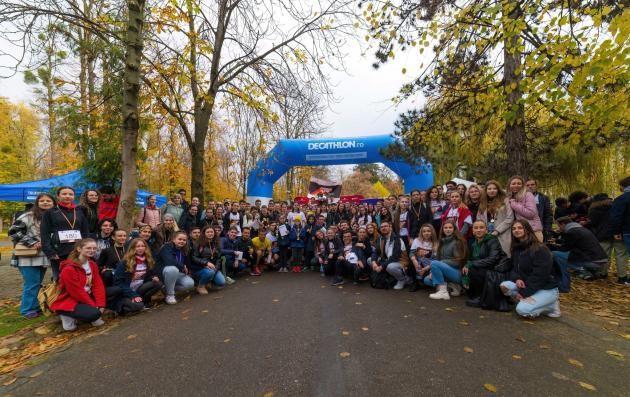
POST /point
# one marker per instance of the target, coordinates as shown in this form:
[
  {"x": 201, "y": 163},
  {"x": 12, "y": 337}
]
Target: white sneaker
[
  {"x": 441, "y": 293},
  {"x": 229, "y": 280},
  {"x": 454, "y": 289},
  {"x": 98, "y": 322},
  {"x": 170, "y": 300},
  {"x": 68, "y": 323},
  {"x": 399, "y": 285},
  {"x": 555, "y": 312}
]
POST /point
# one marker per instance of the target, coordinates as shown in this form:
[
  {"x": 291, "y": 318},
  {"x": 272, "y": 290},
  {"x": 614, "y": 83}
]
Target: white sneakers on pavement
[{"x": 440, "y": 293}]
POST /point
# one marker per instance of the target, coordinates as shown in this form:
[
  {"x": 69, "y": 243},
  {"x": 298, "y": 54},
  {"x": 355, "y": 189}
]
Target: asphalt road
[{"x": 283, "y": 334}]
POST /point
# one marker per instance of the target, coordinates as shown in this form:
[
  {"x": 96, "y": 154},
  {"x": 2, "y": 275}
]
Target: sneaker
[
  {"x": 201, "y": 290},
  {"x": 255, "y": 272},
  {"x": 170, "y": 300},
  {"x": 555, "y": 312},
  {"x": 474, "y": 302},
  {"x": 441, "y": 293},
  {"x": 399, "y": 285},
  {"x": 337, "y": 281},
  {"x": 229, "y": 280},
  {"x": 68, "y": 323},
  {"x": 32, "y": 315},
  {"x": 454, "y": 289},
  {"x": 98, "y": 322}
]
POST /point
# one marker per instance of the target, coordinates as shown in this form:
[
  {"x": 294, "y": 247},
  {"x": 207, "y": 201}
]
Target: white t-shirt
[{"x": 403, "y": 224}]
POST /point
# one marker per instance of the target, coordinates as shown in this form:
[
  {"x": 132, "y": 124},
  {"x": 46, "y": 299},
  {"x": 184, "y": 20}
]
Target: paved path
[{"x": 283, "y": 334}]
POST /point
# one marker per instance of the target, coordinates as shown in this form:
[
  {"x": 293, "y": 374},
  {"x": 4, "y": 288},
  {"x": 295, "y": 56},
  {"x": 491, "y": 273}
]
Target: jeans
[
  {"x": 32, "y": 277},
  {"x": 621, "y": 255},
  {"x": 441, "y": 273},
  {"x": 562, "y": 260},
  {"x": 543, "y": 301},
  {"x": 397, "y": 271},
  {"x": 176, "y": 281},
  {"x": 206, "y": 275}
]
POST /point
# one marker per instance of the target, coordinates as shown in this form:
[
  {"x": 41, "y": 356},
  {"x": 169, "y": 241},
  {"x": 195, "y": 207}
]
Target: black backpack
[{"x": 382, "y": 280}]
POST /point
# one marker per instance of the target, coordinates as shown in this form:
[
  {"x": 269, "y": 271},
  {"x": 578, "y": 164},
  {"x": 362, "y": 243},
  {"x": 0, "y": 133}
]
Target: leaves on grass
[
  {"x": 490, "y": 387},
  {"x": 587, "y": 386},
  {"x": 344, "y": 354},
  {"x": 575, "y": 362},
  {"x": 4, "y": 350},
  {"x": 43, "y": 330},
  {"x": 468, "y": 349}
]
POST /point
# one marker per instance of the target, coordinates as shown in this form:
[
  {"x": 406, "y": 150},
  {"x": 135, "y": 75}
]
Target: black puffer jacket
[
  {"x": 581, "y": 244},
  {"x": 534, "y": 266},
  {"x": 600, "y": 221},
  {"x": 58, "y": 219},
  {"x": 488, "y": 253}
]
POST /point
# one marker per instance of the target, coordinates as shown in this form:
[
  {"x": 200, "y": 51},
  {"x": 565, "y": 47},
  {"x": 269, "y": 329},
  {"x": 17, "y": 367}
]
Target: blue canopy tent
[{"x": 27, "y": 191}]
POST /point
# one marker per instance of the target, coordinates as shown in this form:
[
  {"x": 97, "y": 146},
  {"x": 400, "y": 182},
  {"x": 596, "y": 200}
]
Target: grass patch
[{"x": 12, "y": 321}]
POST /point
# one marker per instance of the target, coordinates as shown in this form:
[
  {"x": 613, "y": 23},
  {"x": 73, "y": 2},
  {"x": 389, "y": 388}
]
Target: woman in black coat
[
  {"x": 62, "y": 226},
  {"x": 136, "y": 277},
  {"x": 485, "y": 254},
  {"x": 531, "y": 280}
]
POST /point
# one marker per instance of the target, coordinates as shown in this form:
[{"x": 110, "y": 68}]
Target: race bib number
[
  {"x": 69, "y": 236},
  {"x": 238, "y": 255}
]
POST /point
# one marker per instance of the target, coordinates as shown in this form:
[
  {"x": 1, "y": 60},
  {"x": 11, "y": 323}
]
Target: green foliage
[{"x": 572, "y": 81}]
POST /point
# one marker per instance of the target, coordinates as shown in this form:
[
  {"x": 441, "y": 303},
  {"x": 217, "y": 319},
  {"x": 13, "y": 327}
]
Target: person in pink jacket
[
  {"x": 523, "y": 204},
  {"x": 150, "y": 214}
]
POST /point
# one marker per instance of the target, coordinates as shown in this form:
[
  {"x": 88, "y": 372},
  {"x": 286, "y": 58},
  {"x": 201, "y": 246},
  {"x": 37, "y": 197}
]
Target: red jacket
[
  {"x": 108, "y": 207},
  {"x": 464, "y": 213},
  {"x": 72, "y": 282}
]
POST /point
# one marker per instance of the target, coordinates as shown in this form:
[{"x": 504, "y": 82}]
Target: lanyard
[
  {"x": 117, "y": 254},
  {"x": 74, "y": 217}
]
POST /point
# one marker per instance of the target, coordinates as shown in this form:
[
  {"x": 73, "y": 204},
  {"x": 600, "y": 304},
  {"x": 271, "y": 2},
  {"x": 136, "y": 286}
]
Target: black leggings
[
  {"x": 147, "y": 290},
  {"x": 83, "y": 312},
  {"x": 128, "y": 306},
  {"x": 477, "y": 278}
]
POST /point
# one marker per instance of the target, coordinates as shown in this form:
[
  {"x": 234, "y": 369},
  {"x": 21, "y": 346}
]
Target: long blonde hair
[{"x": 130, "y": 255}]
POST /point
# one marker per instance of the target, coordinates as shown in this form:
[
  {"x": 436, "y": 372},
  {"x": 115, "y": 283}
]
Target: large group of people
[{"x": 496, "y": 245}]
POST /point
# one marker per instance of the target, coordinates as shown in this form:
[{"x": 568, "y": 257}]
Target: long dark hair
[
  {"x": 204, "y": 242},
  {"x": 462, "y": 249},
  {"x": 530, "y": 240},
  {"x": 38, "y": 213}
]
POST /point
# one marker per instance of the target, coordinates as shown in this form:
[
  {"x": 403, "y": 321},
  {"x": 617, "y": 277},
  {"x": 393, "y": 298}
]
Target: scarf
[
  {"x": 67, "y": 207},
  {"x": 140, "y": 259}
]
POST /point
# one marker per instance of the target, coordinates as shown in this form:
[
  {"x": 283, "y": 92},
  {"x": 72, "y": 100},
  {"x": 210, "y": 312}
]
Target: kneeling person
[
  {"x": 135, "y": 276},
  {"x": 350, "y": 261},
  {"x": 263, "y": 256}
]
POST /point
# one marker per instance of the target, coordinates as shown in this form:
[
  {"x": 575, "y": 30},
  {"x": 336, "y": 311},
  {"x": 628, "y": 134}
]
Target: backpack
[
  {"x": 382, "y": 280},
  {"x": 46, "y": 296}
]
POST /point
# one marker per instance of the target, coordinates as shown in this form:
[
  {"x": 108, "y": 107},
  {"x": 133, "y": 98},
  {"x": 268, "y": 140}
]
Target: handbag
[
  {"x": 24, "y": 250},
  {"x": 504, "y": 266},
  {"x": 46, "y": 296},
  {"x": 492, "y": 298}
]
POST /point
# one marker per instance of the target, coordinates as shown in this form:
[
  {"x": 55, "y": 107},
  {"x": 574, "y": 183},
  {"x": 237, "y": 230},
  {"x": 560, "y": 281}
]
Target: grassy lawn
[{"x": 11, "y": 321}]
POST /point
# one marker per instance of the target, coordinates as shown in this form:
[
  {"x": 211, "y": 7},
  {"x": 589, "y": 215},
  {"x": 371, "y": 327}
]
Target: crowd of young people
[{"x": 498, "y": 246}]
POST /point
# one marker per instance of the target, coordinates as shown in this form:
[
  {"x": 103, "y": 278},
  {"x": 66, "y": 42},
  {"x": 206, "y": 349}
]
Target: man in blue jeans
[
  {"x": 580, "y": 252},
  {"x": 620, "y": 217}
]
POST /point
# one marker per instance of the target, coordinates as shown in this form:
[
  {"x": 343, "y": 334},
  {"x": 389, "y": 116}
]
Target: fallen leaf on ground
[
  {"x": 204, "y": 311},
  {"x": 464, "y": 322},
  {"x": 36, "y": 374},
  {"x": 345, "y": 333},
  {"x": 408, "y": 301},
  {"x": 132, "y": 336},
  {"x": 490, "y": 387},
  {"x": 4, "y": 351},
  {"x": 516, "y": 357},
  {"x": 520, "y": 339},
  {"x": 558, "y": 375},
  {"x": 365, "y": 329},
  {"x": 575, "y": 362},
  {"x": 276, "y": 300},
  {"x": 587, "y": 386},
  {"x": 344, "y": 354},
  {"x": 187, "y": 311},
  {"x": 340, "y": 287},
  {"x": 468, "y": 349},
  {"x": 358, "y": 303},
  {"x": 226, "y": 340},
  {"x": 613, "y": 323},
  {"x": 449, "y": 309},
  {"x": 323, "y": 286},
  {"x": 9, "y": 382},
  {"x": 43, "y": 330},
  {"x": 545, "y": 347},
  {"x": 627, "y": 336},
  {"x": 441, "y": 361},
  {"x": 268, "y": 394},
  {"x": 529, "y": 322},
  {"x": 614, "y": 353},
  {"x": 185, "y": 318}
]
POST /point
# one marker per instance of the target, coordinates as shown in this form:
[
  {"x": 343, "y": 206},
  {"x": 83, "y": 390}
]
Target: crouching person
[
  {"x": 82, "y": 294},
  {"x": 352, "y": 261},
  {"x": 387, "y": 256},
  {"x": 205, "y": 259},
  {"x": 135, "y": 276},
  {"x": 532, "y": 283},
  {"x": 173, "y": 267}
]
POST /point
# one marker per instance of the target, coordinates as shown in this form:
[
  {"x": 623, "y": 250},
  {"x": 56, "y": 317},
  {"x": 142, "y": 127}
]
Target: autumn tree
[
  {"x": 508, "y": 84},
  {"x": 199, "y": 51}
]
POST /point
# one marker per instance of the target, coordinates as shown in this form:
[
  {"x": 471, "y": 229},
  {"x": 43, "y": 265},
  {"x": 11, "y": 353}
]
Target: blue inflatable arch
[{"x": 329, "y": 151}]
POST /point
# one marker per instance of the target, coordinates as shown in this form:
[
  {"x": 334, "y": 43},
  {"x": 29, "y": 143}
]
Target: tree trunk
[
  {"x": 515, "y": 144},
  {"x": 131, "y": 117},
  {"x": 198, "y": 148}
]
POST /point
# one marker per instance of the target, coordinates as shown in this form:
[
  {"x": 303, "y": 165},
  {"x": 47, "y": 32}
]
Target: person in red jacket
[{"x": 82, "y": 295}]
